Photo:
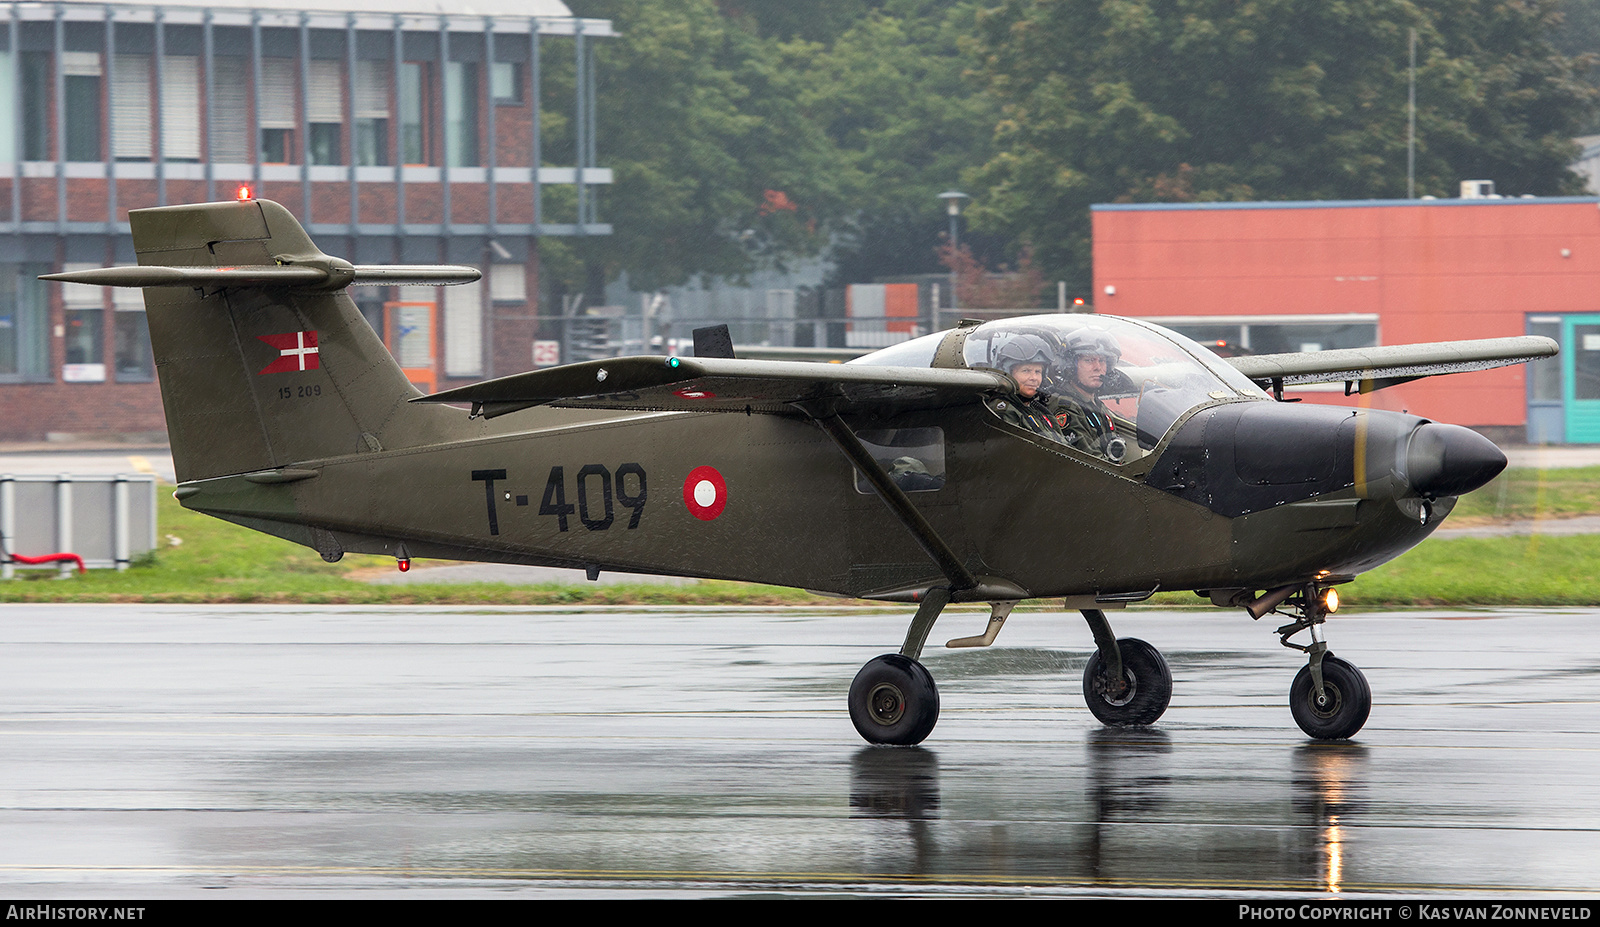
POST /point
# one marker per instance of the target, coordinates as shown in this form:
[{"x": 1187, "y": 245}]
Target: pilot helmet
[
  {"x": 1091, "y": 342},
  {"x": 1023, "y": 349}
]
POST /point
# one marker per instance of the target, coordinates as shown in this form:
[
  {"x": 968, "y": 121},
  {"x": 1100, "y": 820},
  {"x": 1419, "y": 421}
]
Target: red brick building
[
  {"x": 1273, "y": 277},
  {"x": 396, "y": 134}
]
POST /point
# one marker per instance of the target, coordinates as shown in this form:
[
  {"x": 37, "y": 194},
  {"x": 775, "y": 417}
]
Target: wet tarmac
[{"x": 224, "y": 751}]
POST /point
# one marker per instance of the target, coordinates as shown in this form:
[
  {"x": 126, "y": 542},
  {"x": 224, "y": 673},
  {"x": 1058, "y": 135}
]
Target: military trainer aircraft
[{"x": 955, "y": 467}]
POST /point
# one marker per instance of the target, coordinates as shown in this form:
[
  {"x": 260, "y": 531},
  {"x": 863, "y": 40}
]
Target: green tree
[
  {"x": 894, "y": 98},
  {"x": 1577, "y": 33},
  {"x": 1175, "y": 100},
  {"x": 715, "y": 164},
  {"x": 820, "y": 21}
]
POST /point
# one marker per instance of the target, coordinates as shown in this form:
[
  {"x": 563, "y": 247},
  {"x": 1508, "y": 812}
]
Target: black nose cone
[{"x": 1448, "y": 460}]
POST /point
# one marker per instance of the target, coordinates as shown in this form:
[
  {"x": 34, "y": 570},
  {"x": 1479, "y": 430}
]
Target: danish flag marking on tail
[{"x": 296, "y": 351}]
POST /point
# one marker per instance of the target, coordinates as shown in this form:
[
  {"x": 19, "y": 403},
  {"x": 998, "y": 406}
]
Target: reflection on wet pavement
[{"x": 181, "y": 750}]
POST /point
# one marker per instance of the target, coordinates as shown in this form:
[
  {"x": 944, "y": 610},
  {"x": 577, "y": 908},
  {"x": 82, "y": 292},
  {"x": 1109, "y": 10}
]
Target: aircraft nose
[{"x": 1448, "y": 460}]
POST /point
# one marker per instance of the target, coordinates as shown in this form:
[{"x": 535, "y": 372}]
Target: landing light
[{"x": 1330, "y": 600}]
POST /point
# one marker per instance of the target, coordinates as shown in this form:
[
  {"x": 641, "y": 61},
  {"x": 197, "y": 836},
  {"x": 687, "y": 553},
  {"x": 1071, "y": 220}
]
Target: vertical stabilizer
[{"x": 260, "y": 375}]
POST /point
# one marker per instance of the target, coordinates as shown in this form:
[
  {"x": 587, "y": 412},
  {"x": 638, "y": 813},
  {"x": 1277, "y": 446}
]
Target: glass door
[{"x": 1580, "y": 367}]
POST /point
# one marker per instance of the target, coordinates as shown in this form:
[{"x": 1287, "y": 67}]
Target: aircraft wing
[
  {"x": 716, "y": 384},
  {"x": 1370, "y": 369}
]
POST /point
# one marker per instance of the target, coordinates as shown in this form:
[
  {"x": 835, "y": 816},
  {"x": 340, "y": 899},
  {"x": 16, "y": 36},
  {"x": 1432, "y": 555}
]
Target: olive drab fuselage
[{"x": 769, "y": 499}]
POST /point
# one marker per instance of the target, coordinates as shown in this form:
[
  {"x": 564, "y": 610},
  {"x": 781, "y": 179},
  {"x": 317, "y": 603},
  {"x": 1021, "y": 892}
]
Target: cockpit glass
[
  {"x": 1113, "y": 387},
  {"x": 918, "y": 352}
]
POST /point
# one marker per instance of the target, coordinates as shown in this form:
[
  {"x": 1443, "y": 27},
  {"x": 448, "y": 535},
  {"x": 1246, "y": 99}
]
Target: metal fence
[
  {"x": 591, "y": 337},
  {"x": 109, "y": 521}
]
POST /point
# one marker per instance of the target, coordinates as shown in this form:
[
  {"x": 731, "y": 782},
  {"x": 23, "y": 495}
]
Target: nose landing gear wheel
[
  {"x": 1347, "y": 700},
  {"x": 893, "y": 701},
  {"x": 1148, "y": 691}
]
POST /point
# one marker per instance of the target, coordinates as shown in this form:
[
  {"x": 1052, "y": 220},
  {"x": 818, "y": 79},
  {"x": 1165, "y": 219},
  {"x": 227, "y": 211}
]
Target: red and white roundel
[{"x": 705, "y": 493}]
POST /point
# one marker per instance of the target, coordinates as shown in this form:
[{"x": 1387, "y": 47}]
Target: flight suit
[
  {"x": 1084, "y": 421},
  {"x": 1029, "y": 414}
]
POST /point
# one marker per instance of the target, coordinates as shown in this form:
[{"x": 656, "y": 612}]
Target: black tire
[
  {"x": 893, "y": 701},
  {"x": 1349, "y": 700},
  {"x": 1149, "y": 685}
]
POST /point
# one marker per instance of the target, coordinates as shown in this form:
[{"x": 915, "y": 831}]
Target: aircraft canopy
[{"x": 1152, "y": 375}]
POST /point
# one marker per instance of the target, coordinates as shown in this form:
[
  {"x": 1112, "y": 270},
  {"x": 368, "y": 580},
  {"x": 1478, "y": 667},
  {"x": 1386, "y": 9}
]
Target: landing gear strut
[
  {"x": 1127, "y": 681},
  {"x": 1330, "y": 698}
]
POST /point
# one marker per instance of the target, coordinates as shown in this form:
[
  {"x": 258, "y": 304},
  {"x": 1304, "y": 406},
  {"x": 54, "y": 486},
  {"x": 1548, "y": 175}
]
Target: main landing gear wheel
[
  {"x": 1347, "y": 700},
  {"x": 1149, "y": 685},
  {"x": 893, "y": 701}
]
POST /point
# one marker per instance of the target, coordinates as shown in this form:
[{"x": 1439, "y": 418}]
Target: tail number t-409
[
  {"x": 593, "y": 480},
  {"x": 595, "y": 488}
]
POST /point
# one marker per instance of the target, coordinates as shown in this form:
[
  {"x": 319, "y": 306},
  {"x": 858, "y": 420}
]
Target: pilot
[
  {"x": 1090, "y": 357},
  {"x": 1026, "y": 358}
]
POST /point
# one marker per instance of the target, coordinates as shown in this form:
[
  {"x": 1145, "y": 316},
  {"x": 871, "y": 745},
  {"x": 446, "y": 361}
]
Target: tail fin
[{"x": 263, "y": 360}]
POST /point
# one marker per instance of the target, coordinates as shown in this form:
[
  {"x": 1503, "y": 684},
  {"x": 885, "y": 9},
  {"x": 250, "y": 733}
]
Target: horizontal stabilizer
[
  {"x": 1376, "y": 368},
  {"x": 308, "y": 276},
  {"x": 711, "y": 384}
]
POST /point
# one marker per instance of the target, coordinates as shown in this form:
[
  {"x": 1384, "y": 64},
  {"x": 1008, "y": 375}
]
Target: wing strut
[{"x": 895, "y": 498}]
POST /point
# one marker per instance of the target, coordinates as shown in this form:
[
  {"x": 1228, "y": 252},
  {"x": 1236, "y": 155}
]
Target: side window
[{"x": 913, "y": 458}]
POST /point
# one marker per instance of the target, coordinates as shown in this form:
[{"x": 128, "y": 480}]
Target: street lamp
[{"x": 953, "y": 201}]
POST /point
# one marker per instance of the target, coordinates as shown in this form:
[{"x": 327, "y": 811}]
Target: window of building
[
  {"x": 1585, "y": 349},
  {"x": 461, "y": 113},
  {"x": 371, "y": 102},
  {"x": 508, "y": 283},
  {"x": 1544, "y": 374},
  {"x": 135, "y": 363},
  {"x": 505, "y": 82},
  {"x": 411, "y": 335},
  {"x": 277, "y": 146},
  {"x": 370, "y": 304},
  {"x": 277, "y": 96},
  {"x": 24, "y": 324},
  {"x": 325, "y": 111},
  {"x": 180, "y": 108},
  {"x": 415, "y": 99},
  {"x": 8, "y": 108},
  {"x": 463, "y": 330},
  {"x": 1277, "y": 334},
  {"x": 35, "y": 106},
  {"x": 82, "y": 74},
  {"x": 230, "y": 127},
  {"x": 85, "y": 330},
  {"x": 131, "y": 114},
  {"x": 326, "y": 147}
]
